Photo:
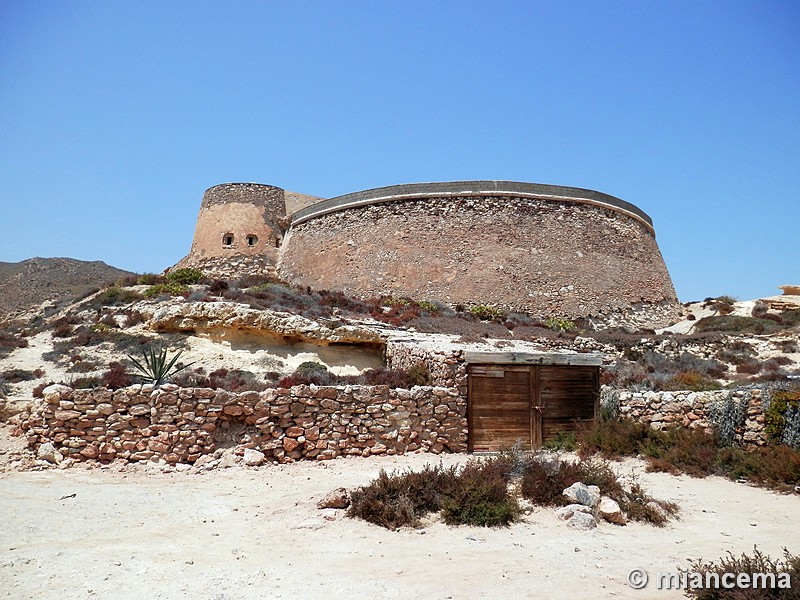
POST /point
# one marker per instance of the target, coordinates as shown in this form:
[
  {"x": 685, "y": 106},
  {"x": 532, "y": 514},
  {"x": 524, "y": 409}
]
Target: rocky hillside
[{"x": 28, "y": 284}]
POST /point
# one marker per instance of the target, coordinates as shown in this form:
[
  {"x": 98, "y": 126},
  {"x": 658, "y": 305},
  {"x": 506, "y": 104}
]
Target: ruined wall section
[{"x": 540, "y": 256}]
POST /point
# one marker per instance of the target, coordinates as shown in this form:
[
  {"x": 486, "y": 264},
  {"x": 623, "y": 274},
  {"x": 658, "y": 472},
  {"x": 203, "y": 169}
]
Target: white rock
[
  {"x": 49, "y": 453},
  {"x": 609, "y": 510},
  {"x": 582, "y": 520},
  {"x": 253, "y": 458},
  {"x": 565, "y": 513},
  {"x": 338, "y": 498},
  {"x": 580, "y": 493}
]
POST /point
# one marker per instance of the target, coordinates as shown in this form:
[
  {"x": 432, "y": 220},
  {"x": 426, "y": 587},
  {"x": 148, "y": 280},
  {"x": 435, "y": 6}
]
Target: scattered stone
[
  {"x": 253, "y": 458},
  {"x": 49, "y": 453},
  {"x": 582, "y": 521},
  {"x": 338, "y": 498},
  {"x": 565, "y": 513},
  {"x": 609, "y": 510}
]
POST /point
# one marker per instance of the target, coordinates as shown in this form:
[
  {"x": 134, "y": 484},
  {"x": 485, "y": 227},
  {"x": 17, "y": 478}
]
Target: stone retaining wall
[
  {"x": 744, "y": 408},
  {"x": 180, "y": 425}
]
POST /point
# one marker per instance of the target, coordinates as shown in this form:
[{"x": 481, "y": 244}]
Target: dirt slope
[{"x": 29, "y": 283}]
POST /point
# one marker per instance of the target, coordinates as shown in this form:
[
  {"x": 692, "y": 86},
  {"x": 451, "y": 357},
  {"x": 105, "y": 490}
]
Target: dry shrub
[
  {"x": 11, "y": 341},
  {"x": 611, "y": 438},
  {"x": 479, "y": 496},
  {"x": 117, "y": 376},
  {"x": 402, "y": 498},
  {"x": 775, "y": 572},
  {"x": 691, "y": 451}
]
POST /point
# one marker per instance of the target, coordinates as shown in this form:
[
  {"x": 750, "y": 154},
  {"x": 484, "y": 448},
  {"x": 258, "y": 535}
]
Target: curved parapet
[{"x": 457, "y": 189}]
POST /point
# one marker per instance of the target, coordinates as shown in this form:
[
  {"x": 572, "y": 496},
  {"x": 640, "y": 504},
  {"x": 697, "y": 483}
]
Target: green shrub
[
  {"x": 185, "y": 276},
  {"x": 18, "y": 375},
  {"x": 559, "y": 324},
  {"x": 173, "y": 289},
  {"x": 781, "y": 418},
  {"x": 486, "y": 313},
  {"x": 158, "y": 367},
  {"x": 418, "y": 374},
  {"x": 563, "y": 440},
  {"x": 116, "y": 296}
]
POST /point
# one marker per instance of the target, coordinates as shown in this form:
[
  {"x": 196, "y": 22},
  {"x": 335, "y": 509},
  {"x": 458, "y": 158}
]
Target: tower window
[
  {"x": 227, "y": 239},
  {"x": 252, "y": 240}
]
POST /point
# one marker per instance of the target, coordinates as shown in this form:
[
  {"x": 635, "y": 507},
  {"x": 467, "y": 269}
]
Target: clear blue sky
[{"x": 116, "y": 116}]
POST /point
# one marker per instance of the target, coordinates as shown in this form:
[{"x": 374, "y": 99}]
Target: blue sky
[{"x": 116, "y": 116}]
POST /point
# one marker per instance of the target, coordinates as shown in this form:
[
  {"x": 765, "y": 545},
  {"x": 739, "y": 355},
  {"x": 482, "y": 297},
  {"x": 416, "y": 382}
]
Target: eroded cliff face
[{"x": 209, "y": 317}]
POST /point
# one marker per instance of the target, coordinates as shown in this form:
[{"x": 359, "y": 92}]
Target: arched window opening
[
  {"x": 252, "y": 240},
  {"x": 227, "y": 240}
]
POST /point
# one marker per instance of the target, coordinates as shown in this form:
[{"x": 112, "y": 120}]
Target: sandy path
[{"x": 256, "y": 533}]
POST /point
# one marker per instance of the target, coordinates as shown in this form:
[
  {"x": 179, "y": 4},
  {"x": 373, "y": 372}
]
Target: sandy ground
[{"x": 247, "y": 533}]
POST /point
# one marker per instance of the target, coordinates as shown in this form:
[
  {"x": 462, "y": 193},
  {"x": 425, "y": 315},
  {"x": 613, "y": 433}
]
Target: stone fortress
[{"x": 544, "y": 250}]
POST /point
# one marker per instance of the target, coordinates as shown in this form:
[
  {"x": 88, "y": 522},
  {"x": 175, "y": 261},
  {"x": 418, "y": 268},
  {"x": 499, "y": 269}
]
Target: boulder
[
  {"x": 609, "y": 510},
  {"x": 582, "y": 521},
  {"x": 49, "y": 453},
  {"x": 580, "y": 493},
  {"x": 565, "y": 513},
  {"x": 253, "y": 458},
  {"x": 338, "y": 498}
]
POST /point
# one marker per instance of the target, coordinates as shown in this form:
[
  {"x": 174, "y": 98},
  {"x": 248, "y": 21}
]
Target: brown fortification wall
[
  {"x": 541, "y": 249},
  {"x": 541, "y": 256}
]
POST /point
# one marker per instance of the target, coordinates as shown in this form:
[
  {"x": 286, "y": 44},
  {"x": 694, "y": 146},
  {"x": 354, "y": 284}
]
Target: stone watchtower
[{"x": 240, "y": 228}]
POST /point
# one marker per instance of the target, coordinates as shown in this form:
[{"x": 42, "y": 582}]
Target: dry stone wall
[
  {"x": 742, "y": 410},
  {"x": 540, "y": 256},
  {"x": 181, "y": 425}
]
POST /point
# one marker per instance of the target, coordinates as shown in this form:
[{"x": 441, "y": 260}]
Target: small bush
[
  {"x": 780, "y": 418},
  {"x": 218, "y": 286},
  {"x": 487, "y": 313},
  {"x": 782, "y": 577},
  {"x": 116, "y": 296},
  {"x": 18, "y": 375},
  {"x": 479, "y": 496},
  {"x": 559, "y": 324},
  {"x": 691, "y": 451},
  {"x": 185, "y": 276},
  {"x": 402, "y": 498},
  {"x": 10, "y": 341},
  {"x": 563, "y": 440},
  {"x": 171, "y": 289},
  {"x": 62, "y": 328},
  {"x": 117, "y": 376},
  {"x": 729, "y": 324}
]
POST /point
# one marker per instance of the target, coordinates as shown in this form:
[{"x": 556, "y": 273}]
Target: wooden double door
[{"x": 527, "y": 404}]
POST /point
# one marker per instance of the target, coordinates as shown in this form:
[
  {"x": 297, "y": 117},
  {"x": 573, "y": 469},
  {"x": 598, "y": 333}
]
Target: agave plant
[{"x": 157, "y": 366}]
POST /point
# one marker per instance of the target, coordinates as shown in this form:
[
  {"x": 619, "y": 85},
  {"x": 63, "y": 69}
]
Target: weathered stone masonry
[
  {"x": 693, "y": 409},
  {"x": 180, "y": 425}
]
